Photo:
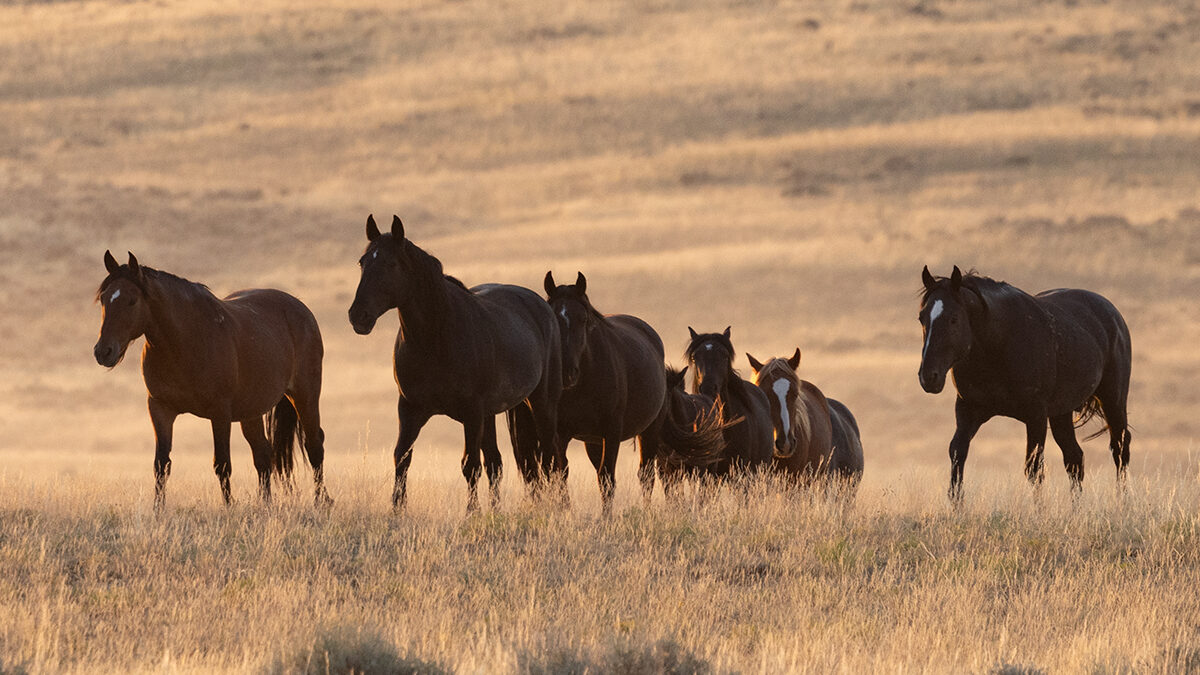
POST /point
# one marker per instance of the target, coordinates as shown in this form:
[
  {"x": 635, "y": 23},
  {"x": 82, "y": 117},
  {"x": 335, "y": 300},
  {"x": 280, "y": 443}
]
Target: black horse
[
  {"x": 1062, "y": 356},
  {"x": 465, "y": 353},
  {"x": 749, "y": 432},
  {"x": 614, "y": 388}
]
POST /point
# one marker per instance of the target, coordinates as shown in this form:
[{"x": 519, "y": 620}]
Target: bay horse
[
  {"x": 614, "y": 388},
  {"x": 748, "y": 440},
  {"x": 1061, "y": 356},
  {"x": 253, "y": 358},
  {"x": 465, "y": 353},
  {"x": 815, "y": 436}
]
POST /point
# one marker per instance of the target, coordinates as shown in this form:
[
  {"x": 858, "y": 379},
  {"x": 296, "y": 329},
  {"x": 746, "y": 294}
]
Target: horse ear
[
  {"x": 726, "y": 333},
  {"x": 956, "y": 278},
  {"x": 134, "y": 266},
  {"x": 692, "y": 332},
  {"x": 754, "y": 363},
  {"x": 580, "y": 282},
  {"x": 548, "y": 283},
  {"x": 794, "y": 362},
  {"x": 110, "y": 263},
  {"x": 397, "y": 227},
  {"x": 372, "y": 228},
  {"x": 927, "y": 279}
]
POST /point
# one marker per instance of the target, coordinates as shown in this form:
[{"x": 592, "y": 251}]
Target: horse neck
[
  {"x": 424, "y": 316},
  {"x": 174, "y": 326}
]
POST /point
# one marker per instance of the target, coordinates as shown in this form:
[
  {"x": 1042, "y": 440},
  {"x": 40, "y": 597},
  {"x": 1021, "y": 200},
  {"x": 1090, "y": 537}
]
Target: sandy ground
[{"x": 785, "y": 168}]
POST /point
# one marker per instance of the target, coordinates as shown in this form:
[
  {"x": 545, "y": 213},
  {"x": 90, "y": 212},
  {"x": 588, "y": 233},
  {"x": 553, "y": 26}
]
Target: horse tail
[
  {"x": 1090, "y": 410},
  {"x": 284, "y": 434},
  {"x": 698, "y": 442}
]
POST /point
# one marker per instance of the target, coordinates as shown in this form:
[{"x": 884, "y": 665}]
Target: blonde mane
[{"x": 776, "y": 369}]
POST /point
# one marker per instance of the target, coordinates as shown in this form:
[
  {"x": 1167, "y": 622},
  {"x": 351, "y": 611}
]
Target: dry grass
[
  {"x": 764, "y": 581},
  {"x": 782, "y": 167}
]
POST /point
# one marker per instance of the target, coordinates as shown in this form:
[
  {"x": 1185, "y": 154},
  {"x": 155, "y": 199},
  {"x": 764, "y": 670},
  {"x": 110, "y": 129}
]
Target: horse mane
[
  {"x": 799, "y": 417},
  {"x": 987, "y": 288},
  {"x": 175, "y": 285}
]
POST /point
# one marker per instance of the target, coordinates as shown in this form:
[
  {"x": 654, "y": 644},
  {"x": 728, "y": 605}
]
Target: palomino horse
[
  {"x": 746, "y": 411},
  {"x": 814, "y": 436},
  {"x": 615, "y": 389},
  {"x": 1061, "y": 356},
  {"x": 465, "y": 353},
  {"x": 255, "y": 353}
]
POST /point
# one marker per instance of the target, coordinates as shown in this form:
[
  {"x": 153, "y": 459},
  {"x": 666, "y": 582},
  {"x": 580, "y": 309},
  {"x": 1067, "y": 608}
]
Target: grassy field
[{"x": 782, "y": 167}]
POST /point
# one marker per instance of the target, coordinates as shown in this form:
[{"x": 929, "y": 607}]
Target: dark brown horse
[
  {"x": 1061, "y": 356},
  {"x": 614, "y": 388},
  {"x": 465, "y": 353},
  {"x": 255, "y": 353},
  {"x": 745, "y": 407},
  {"x": 815, "y": 437},
  {"x": 686, "y": 411}
]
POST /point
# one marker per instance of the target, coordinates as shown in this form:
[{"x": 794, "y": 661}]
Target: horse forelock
[{"x": 718, "y": 339}]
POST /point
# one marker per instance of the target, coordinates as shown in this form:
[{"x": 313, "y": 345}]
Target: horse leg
[
  {"x": 1063, "y": 429},
  {"x": 522, "y": 433},
  {"x": 471, "y": 468},
  {"x": 648, "y": 445},
  {"x": 1035, "y": 444},
  {"x": 163, "y": 421},
  {"x": 1112, "y": 403},
  {"x": 493, "y": 463},
  {"x": 967, "y": 422},
  {"x": 308, "y": 410},
  {"x": 412, "y": 419},
  {"x": 260, "y": 448},
  {"x": 551, "y": 449},
  {"x": 221, "y": 465}
]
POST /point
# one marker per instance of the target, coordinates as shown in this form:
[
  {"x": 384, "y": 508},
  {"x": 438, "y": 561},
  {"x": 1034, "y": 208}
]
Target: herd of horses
[{"x": 560, "y": 370}]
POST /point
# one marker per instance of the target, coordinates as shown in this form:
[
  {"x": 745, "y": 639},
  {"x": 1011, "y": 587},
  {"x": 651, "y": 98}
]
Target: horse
[
  {"x": 685, "y": 411},
  {"x": 253, "y": 358},
  {"x": 467, "y": 353},
  {"x": 614, "y": 388},
  {"x": 815, "y": 437},
  {"x": 1061, "y": 356},
  {"x": 748, "y": 440}
]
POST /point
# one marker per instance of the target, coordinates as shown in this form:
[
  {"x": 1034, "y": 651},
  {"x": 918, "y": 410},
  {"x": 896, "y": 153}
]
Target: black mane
[{"x": 181, "y": 286}]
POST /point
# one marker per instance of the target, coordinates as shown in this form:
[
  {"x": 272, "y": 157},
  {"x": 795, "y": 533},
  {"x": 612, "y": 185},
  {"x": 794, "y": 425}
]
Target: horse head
[
  {"x": 382, "y": 279},
  {"x": 576, "y": 319},
  {"x": 779, "y": 380},
  {"x": 711, "y": 354},
  {"x": 949, "y": 307},
  {"x": 124, "y": 310}
]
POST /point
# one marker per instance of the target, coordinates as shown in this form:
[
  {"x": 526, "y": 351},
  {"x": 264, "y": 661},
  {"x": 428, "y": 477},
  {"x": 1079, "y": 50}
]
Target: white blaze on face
[
  {"x": 566, "y": 321},
  {"x": 708, "y": 346},
  {"x": 934, "y": 313},
  {"x": 116, "y": 294},
  {"x": 781, "y": 387}
]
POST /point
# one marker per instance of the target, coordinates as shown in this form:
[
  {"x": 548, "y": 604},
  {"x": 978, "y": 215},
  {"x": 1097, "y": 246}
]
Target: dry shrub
[
  {"x": 343, "y": 650},
  {"x": 665, "y": 657}
]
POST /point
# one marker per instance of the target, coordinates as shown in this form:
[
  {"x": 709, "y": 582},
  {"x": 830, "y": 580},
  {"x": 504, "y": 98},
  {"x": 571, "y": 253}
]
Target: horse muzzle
[
  {"x": 108, "y": 353},
  {"x": 932, "y": 381},
  {"x": 362, "y": 322},
  {"x": 570, "y": 377}
]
